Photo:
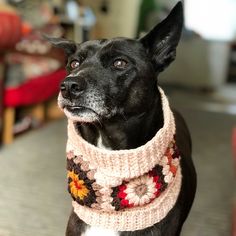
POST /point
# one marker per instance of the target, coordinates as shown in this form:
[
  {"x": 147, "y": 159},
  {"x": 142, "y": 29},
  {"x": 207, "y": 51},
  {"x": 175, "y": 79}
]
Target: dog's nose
[{"x": 72, "y": 88}]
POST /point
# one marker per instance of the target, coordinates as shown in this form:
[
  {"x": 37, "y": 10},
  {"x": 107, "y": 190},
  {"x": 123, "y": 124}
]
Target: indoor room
[{"x": 193, "y": 61}]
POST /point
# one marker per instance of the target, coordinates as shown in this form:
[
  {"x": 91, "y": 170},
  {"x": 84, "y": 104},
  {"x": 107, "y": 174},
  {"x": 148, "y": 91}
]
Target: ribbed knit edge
[
  {"x": 136, "y": 218},
  {"x": 126, "y": 164}
]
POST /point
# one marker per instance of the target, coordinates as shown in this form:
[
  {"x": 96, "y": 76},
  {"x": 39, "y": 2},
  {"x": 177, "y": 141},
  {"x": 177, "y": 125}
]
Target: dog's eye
[
  {"x": 120, "y": 63},
  {"x": 74, "y": 64}
]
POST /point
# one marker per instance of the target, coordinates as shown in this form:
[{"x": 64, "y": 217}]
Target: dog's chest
[
  {"x": 100, "y": 143},
  {"x": 92, "y": 231}
]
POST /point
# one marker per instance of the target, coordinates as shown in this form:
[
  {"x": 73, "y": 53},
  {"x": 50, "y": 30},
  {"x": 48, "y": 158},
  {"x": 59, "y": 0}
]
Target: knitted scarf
[{"x": 125, "y": 190}]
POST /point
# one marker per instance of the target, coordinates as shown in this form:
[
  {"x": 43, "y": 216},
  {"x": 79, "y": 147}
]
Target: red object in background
[
  {"x": 35, "y": 90},
  {"x": 1, "y": 89},
  {"x": 12, "y": 29}
]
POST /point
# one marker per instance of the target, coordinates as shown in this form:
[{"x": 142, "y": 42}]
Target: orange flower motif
[{"x": 77, "y": 186}]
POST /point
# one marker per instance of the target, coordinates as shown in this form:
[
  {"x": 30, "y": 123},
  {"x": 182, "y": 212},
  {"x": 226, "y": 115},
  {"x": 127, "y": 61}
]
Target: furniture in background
[
  {"x": 35, "y": 93},
  {"x": 32, "y": 68},
  {"x": 11, "y": 30},
  {"x": 1, "y": 91},
  {"x": 33, "y": 75}
]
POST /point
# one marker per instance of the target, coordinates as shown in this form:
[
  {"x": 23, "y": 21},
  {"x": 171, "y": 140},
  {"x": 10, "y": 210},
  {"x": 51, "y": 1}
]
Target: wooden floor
[{"x": 33, "y": 196}]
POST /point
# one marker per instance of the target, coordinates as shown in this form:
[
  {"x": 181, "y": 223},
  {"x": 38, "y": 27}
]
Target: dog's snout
[{"x": 72, "y": 88}]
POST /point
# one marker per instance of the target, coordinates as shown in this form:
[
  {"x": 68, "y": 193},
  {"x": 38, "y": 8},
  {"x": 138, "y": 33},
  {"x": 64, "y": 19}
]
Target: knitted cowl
[{"x": 125, "y": 190}]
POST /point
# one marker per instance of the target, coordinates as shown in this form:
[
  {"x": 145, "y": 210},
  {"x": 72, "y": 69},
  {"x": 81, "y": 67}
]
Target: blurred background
[{"x": 201, "y": 83}]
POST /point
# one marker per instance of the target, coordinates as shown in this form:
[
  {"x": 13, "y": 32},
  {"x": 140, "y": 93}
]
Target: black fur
[{"x": 114, "y": 91}]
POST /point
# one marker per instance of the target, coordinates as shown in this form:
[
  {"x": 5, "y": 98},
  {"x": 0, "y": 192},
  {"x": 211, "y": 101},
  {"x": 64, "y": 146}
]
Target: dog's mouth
[
  {"x": 77, "y": 109},
  {"x": 81, "y": 114},
  {"x": 91, "y": 110}
]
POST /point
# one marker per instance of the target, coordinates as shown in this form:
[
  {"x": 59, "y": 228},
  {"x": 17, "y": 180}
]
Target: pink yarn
[{"x": 113, "y": 167}]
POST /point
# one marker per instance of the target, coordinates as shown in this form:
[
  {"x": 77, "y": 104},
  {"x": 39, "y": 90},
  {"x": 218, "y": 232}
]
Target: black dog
[{"x": 111, "y": 88}]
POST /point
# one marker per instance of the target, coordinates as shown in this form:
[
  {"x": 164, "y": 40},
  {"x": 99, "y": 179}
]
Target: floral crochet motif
[
  {"x": 139, "y": 191},
  {"x": 131, "y": 193},
  {"x": 170, "y": 162},
  {"x": 80, "y": 182},
  {"x": 77, "y": 187}
]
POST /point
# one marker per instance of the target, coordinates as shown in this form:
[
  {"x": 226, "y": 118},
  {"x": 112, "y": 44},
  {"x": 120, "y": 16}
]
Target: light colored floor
[{"x": 33, "y": 196}]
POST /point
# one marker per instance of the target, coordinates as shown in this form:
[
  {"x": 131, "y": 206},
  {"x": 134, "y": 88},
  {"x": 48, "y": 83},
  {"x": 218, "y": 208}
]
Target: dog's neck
[{"x": 125, "y": 131}]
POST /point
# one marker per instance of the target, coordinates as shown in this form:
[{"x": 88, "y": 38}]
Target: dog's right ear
[
  {"x": 162, "y": 40},
  {"x": 67, "y": 45}
]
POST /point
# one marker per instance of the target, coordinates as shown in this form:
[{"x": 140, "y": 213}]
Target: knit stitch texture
[{"x": 125, "y": 190}]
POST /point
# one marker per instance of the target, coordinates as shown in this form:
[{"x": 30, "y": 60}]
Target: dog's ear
[
  {"x": 162, "y": 40},
  {"x": 67, "y": 45}
]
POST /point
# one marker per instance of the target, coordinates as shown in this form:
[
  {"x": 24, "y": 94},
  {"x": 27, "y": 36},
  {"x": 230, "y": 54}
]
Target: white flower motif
[
  {"x": 175, "y": 162},
  {"x": 141, "y": 190},
  {"x": 166, "y": 170},
  {"x": 164, "y": 161},
  {"x": 172, "y": 151},
  {"x": 168, "y": 178}
]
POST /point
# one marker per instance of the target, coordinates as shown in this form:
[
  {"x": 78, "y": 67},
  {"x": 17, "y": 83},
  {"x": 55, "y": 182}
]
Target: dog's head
[{"x": 116, "y": 77}]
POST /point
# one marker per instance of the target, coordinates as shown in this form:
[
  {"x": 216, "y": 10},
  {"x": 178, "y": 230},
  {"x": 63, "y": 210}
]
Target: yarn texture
[{"x": 125, "y": 190}]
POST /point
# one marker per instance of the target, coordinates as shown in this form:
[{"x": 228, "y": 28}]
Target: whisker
[{"x": 98, "y": 120}]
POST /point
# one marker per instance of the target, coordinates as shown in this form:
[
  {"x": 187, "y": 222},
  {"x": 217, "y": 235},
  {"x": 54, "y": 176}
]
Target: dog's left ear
[
  {"x": 67, "y": 45},
  {"x": 162, "y": 40}
]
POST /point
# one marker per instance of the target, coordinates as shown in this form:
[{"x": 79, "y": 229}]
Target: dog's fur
[{"x": 112, "y": 92}]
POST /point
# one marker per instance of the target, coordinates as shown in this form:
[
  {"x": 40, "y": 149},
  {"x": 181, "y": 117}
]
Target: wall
[
  {"x": 212, "y": 19},
  {"x": 120, "y": 20},
  {"x": 199, "y": 63}
]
